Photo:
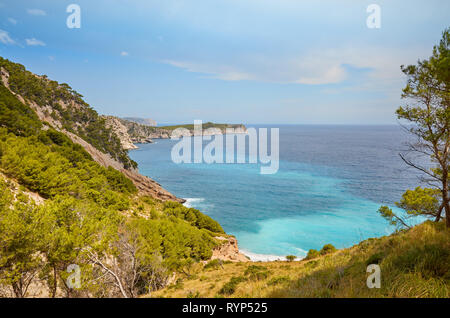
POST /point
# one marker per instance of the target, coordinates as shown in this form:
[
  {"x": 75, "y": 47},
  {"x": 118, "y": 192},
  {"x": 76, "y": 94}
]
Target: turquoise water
[{"x": 331, "y": 182}]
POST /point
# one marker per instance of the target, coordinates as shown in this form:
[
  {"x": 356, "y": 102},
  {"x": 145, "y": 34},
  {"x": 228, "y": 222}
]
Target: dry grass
[{"x": 415, "y": 263}]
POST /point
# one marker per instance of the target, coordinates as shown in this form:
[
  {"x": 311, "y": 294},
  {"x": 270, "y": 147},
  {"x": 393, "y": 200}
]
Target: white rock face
[
  {"x": 121, "y": 132},
  {"x": 208, "y": 132}
]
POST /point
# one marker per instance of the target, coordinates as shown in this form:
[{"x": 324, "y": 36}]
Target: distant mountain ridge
[{"x": 142, "y": 121}]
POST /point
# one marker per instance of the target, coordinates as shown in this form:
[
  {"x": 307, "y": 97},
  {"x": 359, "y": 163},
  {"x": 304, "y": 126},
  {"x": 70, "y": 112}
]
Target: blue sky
[{"x": 250, "y": 61}]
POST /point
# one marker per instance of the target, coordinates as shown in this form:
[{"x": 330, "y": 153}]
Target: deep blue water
[{"x": 331, "y": 182}]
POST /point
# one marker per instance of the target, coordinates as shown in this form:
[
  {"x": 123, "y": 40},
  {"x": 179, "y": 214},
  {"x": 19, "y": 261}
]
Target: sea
[{"x": 330, "y": 183}]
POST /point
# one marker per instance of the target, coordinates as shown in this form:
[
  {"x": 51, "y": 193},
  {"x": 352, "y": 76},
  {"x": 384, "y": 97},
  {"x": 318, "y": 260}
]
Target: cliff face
[
  {"x": 141, "y": 134},
  {"x": 121, "y": 131}
]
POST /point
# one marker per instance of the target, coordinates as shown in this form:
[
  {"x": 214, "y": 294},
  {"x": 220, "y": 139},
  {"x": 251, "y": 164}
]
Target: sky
[{"x": 235, "y": 61}]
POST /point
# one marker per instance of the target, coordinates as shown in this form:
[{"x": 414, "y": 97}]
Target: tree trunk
[
  {"x": 55, "y": 283},
  {"x": 17, "y": 289},
  {"x": 447, "y": 216},
  {"x": 445, "y": 198},
  {"x": 438, "y": 215}
]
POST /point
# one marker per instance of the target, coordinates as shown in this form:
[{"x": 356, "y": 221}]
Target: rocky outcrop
[
  {"x": 143, "y": 134},
  {"x": 228, "y": 250},
  {"x": 5, "y": 77},
  {"x": 14, "y": 186},
  {"x": 121, "y": 131},
  {"x": 150, "y": 187}
]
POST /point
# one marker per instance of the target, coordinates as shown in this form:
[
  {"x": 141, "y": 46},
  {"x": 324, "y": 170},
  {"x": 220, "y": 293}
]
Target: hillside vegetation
[
  {"x": 413, "y": 263},
  {"x": 65, "y": 105},
  {"x": 124, "y": 243}
]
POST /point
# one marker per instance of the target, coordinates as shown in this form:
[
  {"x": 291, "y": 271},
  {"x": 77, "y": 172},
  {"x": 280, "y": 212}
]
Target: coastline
[
  {"x": 134, "y": 144},
  {"x": 254, "y": 257}
]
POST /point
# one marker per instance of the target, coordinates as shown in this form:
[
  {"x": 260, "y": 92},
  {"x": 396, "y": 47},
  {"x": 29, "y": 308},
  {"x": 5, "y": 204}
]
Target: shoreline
[
  {"x": 151, "y": 141},
  {"x": 254, "y": 257}
]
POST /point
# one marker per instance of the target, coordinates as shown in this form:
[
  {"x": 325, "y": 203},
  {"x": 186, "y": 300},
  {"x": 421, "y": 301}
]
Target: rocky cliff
[
  {"x": 121, "y": 131},
  {"x": 141, "y": 134}
]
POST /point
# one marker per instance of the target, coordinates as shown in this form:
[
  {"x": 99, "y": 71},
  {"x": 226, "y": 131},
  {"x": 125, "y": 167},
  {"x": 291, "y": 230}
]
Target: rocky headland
[{"x": 131, "y": 133}]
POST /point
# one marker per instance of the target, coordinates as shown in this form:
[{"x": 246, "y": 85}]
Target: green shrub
[
  {"x": 312, "y": 253},
  {"x": 65, "y": 168},
  {"x": 291, "y": 258},
  {"x": 18, "y": 118},
  {"x": 193, "y": 216},
  {"x": 254, "y": 268},
  {"x": 327, "y": 249},
  {"x": 278, "y": 280},
  {"x": 431, "y": 261},
  {"x": 256, "y": 272},
  {"x": 215, "y": 263},
  {"x": 375, "y": 258},
  {"x": 230, "y": 287}
]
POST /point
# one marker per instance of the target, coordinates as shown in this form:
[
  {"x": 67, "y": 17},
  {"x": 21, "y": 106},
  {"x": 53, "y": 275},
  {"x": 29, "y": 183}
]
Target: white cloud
[
  {"x": 300, "y": 71},
  {"x": 314, "y": 67},
  {"x": 34, "y": 42},
  {"x": 227, "y": 73},
  {"x": 12, "y": 21},
  {"x": 36, "y": 12},
  {"x": 5, "y": 38},
  {"x": 123, "y": 53}
]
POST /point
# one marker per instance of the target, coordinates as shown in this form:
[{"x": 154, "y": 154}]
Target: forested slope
[{"x": 125, "y": 243}]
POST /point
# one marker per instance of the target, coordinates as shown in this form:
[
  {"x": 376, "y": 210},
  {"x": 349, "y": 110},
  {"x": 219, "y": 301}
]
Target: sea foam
[
  {"x": 192, "y": 201},
  {"x": 265, "y": 257}
]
